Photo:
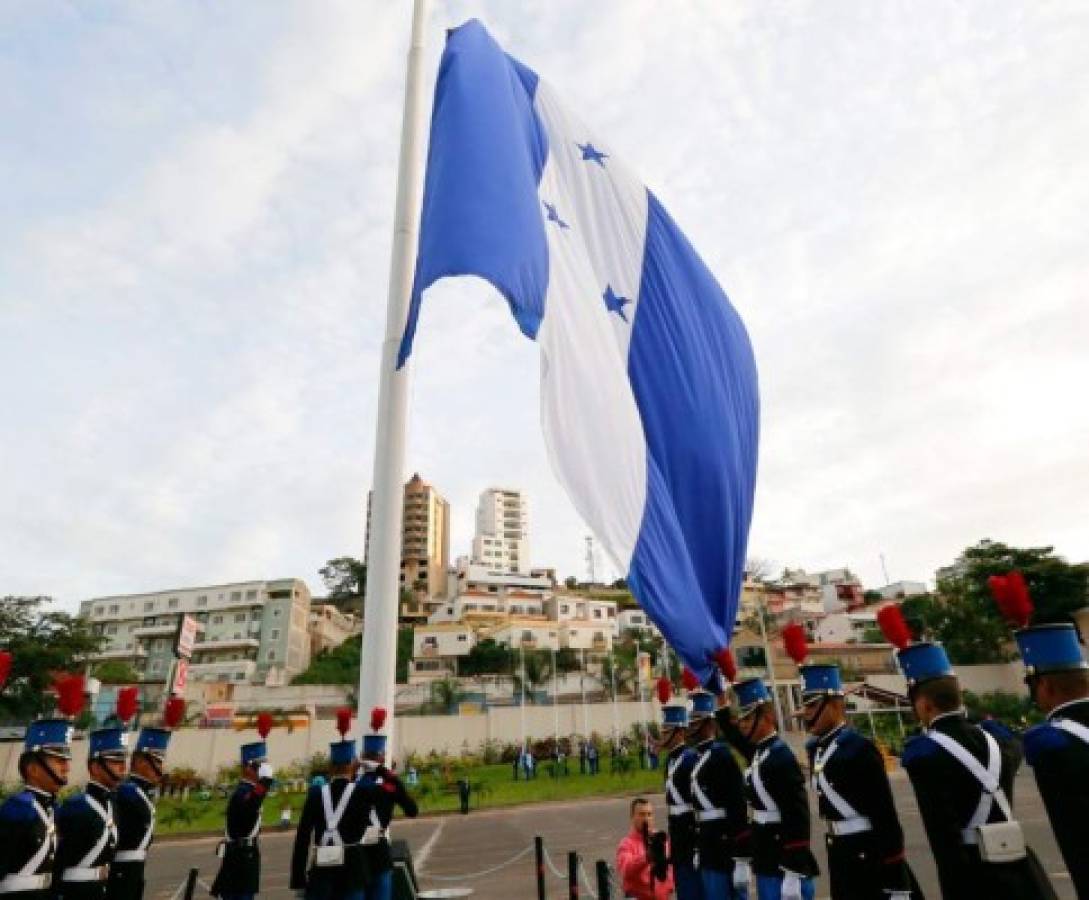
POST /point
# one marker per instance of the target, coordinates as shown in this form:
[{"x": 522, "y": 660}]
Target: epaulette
[
  {"x": 998, "y": 730},
  {"x": 918, "y": 747},
  {"x": 851, "y": 742},
  {"x": 19, "y": 808},
  {"x": 1042, "y": 739}
]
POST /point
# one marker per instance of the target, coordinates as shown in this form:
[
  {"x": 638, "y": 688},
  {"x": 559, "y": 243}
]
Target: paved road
[{"x": 449, "y": 846}]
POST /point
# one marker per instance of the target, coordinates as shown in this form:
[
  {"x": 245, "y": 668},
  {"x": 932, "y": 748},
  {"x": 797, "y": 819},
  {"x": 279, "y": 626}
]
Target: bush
[{"x": 1012, "y": 709}]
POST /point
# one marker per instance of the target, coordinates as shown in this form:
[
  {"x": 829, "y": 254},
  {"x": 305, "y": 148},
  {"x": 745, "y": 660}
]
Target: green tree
[
  {"x": 923, "y": 613},
  {"x": 446, "y": 694},
  {"x": 341, "y": 664},
  {"x": 536, "y": 665},
  {"x": 486, "y": 658},
  {"x": 116, "y": 671},
  {"x": 345, "y": 580},
  {"x": 964, "y": 617},
  {"x": 570, "y": 582},
  {"x": 42, "y": 642},
  {"x": 567, "y": 660},
  {"x": 1058, "y": 587}
]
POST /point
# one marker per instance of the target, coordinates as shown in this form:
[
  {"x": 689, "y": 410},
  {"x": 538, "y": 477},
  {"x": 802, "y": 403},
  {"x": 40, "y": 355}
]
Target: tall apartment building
[
  {"x": 425, "y": 539},
  {"x": 251, "y": 631},
  {"x": 502, "y": 531}
]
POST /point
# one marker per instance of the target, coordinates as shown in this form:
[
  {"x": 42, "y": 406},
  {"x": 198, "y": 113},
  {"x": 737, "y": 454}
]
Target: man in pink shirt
[{"x": 642, "y": 859}]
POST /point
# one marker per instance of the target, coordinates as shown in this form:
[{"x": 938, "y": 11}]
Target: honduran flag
[{"x": 648, "y": 384}]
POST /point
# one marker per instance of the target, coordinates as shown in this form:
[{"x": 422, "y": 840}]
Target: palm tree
[
  {"x": 537, "y": 667},
  {"x": 446, "y": 693}
]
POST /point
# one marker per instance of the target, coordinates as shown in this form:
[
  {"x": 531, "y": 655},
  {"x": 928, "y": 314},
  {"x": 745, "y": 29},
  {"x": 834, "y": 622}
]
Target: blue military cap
[
  {"x": 1050, "y": 648},
  {"x": 820, "y": 680},
  {"x": 153, "y": 741},
  {"x": 703, "y": 705},
  {"x": 374, "y": 743},
  {"x": 254, "y": 753},
  {"x": 751, "y": 693},
  {"x": 52, "y": 736},
  {"x": 109, "y": 741},
  {"x": 924, "y": 661},
  {"x": 674, "y": 715},
  {"x": 341, "y": 753}
]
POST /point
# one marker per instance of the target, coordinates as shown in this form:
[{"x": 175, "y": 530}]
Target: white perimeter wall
[{"x": 206, "y": 750}]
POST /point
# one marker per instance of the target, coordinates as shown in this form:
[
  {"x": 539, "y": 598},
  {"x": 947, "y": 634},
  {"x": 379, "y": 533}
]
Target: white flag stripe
[{"x": 588, "y": 413}]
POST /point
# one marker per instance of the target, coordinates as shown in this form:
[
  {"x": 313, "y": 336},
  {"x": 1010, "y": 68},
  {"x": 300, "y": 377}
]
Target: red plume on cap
[
  {"x": 1011, "y": 595},
  {"x": 665, "y": 690},
  {"x": 70, "y": 698},
  {"x": 264, "y": 724},
  {"x": 344, "y": 720},
  {"x": 128, "y": 701},
  {"x": 173, "y": 711},
  {"x": 5, "y": 667},
  {"x": 378, "y": 718},
  {"x": 689, "y": 679},
  {"x": 797, "y": 647},
  {"x": 891, "y": 621},
  {"x": 727, "y": 663}
]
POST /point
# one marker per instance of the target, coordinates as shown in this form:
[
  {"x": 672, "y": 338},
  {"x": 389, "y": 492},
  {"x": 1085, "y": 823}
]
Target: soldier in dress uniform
[
  {"x": 239, "y": 875},
  {"x": 384, "y": 791},
  {"x": 718, "y": 797},
  {"x": 26, "y": 818},
  {"x": 135, "y": 808},
  {"x": 781, "y": 858},
  {"x": 334, "y": 818},
  {"x": 1057, "y": 677},
  {"x": 86, "y": 826},
  {"x": 963, "y": 779},
  {"x": 679, "y": 762},
  {"x": 865, "y": 843}
]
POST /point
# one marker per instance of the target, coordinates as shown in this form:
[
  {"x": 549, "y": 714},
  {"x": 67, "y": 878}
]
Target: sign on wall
[{"x": 187, "y": 637}]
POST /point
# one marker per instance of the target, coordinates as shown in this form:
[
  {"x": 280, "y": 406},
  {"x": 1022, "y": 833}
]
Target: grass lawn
[{"x": 437, "y": 792}]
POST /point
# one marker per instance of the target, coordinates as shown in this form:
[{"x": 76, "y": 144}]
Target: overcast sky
[{"x": 195, "y": 222}]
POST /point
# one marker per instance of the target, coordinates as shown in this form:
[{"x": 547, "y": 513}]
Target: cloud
[{"x": 196, "y": 246}]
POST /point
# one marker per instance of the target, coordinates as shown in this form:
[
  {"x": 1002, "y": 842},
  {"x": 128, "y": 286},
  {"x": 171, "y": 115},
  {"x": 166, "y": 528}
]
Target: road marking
[{"x": 420, "y": 860}]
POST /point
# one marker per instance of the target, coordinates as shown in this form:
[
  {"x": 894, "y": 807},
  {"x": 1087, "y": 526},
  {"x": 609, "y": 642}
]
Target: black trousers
[
  {"x": 126, "y": 881},
  {"x": 856, "y": 872}
]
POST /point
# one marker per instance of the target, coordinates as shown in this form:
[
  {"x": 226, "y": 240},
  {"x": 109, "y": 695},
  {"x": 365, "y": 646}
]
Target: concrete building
[
  {"x": 593, "y": 637},
  {"x": 501, "y": 541},
  {"x": 529, "y": 634},
  {"x": 471, "y": 576},
  {"x": 565, "y": 607},
  {"x": 634, "y": 621},
  {"x": 900, "y": 590},
  {"x": 425, "y": 541},
  {"x": 248, "y": 632},
  {"x": 329, "y": 627},
  {"x": 845, "y": 627}
]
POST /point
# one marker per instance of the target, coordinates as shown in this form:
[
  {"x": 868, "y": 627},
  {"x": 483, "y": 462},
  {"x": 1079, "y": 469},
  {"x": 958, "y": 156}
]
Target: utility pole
[{"x": 761, "y": 612}]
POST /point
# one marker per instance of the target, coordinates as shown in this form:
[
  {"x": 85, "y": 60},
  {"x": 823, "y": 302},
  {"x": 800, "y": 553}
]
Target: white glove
[
  {"x": 742, "y": 873},
  {"x": 900, "y": 895},
  {"x": 792, "y": 887},
  {"x": 264, "y": 770}
]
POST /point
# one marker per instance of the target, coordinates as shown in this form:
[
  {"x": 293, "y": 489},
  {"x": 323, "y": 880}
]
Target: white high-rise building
[{"x": 502, "y": 531}]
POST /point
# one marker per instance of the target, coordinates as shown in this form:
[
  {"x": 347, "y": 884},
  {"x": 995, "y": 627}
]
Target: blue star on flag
[
  {"x": 615, "y": 304},
  {"x": 590, "y": 152},
  {"x": 554, "y": 216}
]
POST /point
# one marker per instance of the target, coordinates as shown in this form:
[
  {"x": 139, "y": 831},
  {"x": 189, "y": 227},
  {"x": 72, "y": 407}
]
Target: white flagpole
[{"x": 377, "y": 674}]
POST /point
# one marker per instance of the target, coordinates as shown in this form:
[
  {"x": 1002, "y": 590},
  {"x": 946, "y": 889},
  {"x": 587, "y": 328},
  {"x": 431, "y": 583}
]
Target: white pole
[
  {"x": 522, "y": 705},
  {"x": 555, "y": 701},
  {"x": 585, "y": 708},
  {"x": 377, "y": 675},
  {"x": 616, "y": 713},
  {"x": 761, "y": 612}
]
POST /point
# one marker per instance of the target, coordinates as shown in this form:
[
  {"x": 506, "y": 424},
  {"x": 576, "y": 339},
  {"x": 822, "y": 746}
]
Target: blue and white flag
[{"x": 648, "y": 384}]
